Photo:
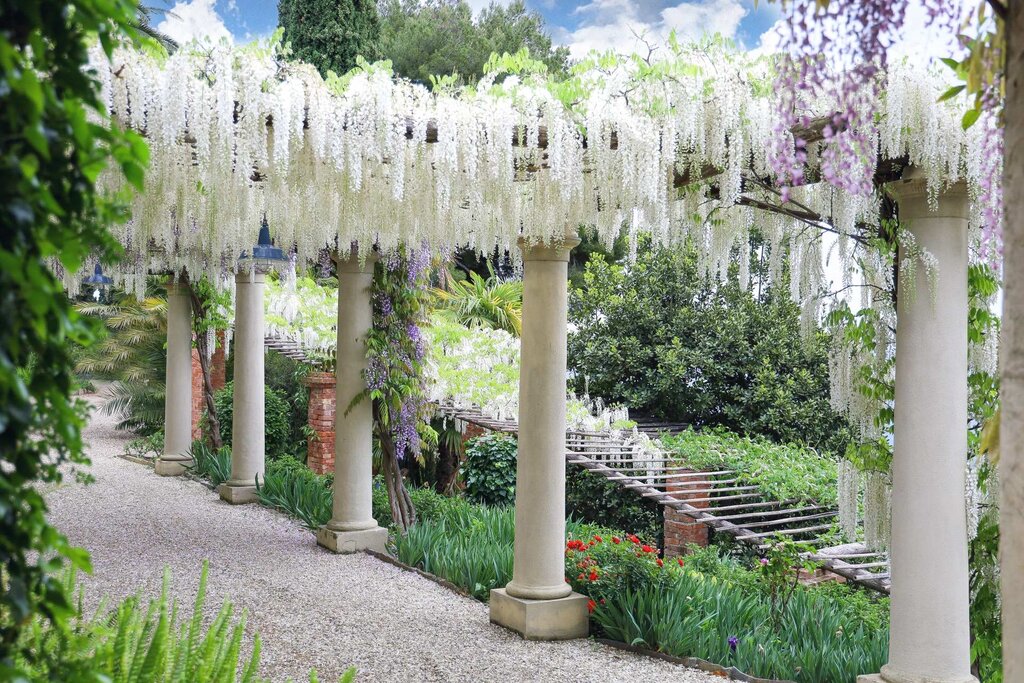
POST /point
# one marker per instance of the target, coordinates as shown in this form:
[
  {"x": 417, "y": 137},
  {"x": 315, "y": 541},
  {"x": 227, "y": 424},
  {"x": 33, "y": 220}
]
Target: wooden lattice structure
[{"x": 724, "y": 503}]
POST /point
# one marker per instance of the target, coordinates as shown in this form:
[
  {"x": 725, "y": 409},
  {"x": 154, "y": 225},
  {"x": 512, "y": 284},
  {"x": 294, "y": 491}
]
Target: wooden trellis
[{"x": 717, "y": 499}]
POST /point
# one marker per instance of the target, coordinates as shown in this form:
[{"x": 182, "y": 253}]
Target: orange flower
[
  {"x": 680, "y": 561},
  {"x": 598, "y": 538},
  {"x": 616, "y": 540},
  {"x": 660, "y": 563}
]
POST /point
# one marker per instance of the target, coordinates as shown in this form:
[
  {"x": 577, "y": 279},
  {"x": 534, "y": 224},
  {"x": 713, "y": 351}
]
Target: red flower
[
  {"x": 591, "y": 605},
  {"x": 647, "y": 548},
  {"x": 633, "y": 539},
  {"x": 660, "y": 563},
  {"x": 602, "y": 601},
  {"x": 616, "y": 540},
  {"x": 598, "y": 538},
  {"x": 680, "y": 561},
  {"x": 593, "y": 575},
  {"x": 581, "y": 577}
]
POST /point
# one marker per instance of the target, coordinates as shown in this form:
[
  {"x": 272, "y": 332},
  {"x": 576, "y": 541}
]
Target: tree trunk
[
  {"x": 198, "y": 313},
  {"x": 1011, "y": 466},
  {"x": 403, "y": 512}
]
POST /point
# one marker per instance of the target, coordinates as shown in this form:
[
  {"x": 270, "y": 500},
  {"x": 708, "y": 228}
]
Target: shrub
[
  {"x": 665, "y": 340},
  {"x": 278, "y": 439},
  {"x": 592, "y": 498},
  {"x": 490, "y": 469},
  {"x": 210, "y": 464},
  {"x": 290, "y": 486},
  {"x": 782, "y": 471}
]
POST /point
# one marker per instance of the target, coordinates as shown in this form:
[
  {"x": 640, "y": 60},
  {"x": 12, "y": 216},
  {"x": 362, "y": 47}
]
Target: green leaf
[
  {"x": 951, "y": 93},
  {"x": 970, "y": 117}
]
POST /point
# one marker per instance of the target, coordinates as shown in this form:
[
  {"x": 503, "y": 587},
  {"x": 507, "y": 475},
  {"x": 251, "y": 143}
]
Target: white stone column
[
  {"x": 248, "y": 429},
  {"x": 929, "y": 637},
  {"x": 538, "y": 603},
  {"x": 178, "y": 383},
  {"x": 352, "y": 526}
]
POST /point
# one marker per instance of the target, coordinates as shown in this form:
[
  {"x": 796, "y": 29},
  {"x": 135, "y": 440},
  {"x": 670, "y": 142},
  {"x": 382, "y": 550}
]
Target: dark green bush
[
  {"x": 489, "y": 471},
  {"x": 288, "y": 485},
  {"x": 661, "y": 338},
  {"x": 278, "y": 434},
  {"x": 592, "y": 498}
]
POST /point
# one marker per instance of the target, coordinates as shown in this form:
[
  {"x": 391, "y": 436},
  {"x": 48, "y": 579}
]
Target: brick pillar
[
  {"x": 218, "y": 364},
  {"x": 471, "y": 431},
  {"x": 198, "y": 398},
  {"x": 320, "y": 448},
  {"x": 680, "y": 530}
]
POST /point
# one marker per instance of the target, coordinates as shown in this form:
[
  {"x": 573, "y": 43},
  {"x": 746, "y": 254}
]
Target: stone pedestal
[
  {"x": 559, "y": 619},
  {"x": 929, "y": 635},
  {"x": 248, "y": 430},
  {"x": 352, "y": 526},
  {"x": 538, "y": 575},
  {"x": 322, "y": 409},
  {"x": 178, "y": 394}
]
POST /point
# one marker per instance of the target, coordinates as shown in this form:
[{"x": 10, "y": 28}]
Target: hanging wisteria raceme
[{"x": 678, "y": 148}]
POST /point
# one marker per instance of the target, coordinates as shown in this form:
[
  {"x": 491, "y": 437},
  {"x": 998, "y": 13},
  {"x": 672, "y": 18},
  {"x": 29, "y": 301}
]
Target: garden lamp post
[
  {"x": 99, "y": 282},
  {"x": 248, "y": 429}
]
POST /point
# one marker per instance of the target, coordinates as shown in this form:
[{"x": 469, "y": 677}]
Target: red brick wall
[
  {"x": 471, "y": 431},
  {"x": 198, "y": 400},
  {"x": 681, "y": 530},
  {"x": 320, "y": 449}
]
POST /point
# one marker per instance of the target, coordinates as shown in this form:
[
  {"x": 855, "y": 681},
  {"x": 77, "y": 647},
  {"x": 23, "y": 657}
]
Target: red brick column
[
  {"x": 198, "y": 400},
  {"x": 320, "y": 447},
  {"x": 681, "y": 530},
  {"x": 472, "y": 431},
  {"x": 218, "y": 364}
]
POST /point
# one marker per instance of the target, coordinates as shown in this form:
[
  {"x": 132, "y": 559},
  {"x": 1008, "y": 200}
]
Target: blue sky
[{"x": 598, "y": 24}]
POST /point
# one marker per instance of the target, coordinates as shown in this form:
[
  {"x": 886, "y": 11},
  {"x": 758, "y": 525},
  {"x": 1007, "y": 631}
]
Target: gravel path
[{"x": 312, "y": 608}]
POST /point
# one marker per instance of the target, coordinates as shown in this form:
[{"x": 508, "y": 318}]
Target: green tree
[
  {"x": 441, "y": 38},
  {"x": 330, "y": 34},
  {"x": 661, "y": 338},
  {"x": 52, "y": 218}
]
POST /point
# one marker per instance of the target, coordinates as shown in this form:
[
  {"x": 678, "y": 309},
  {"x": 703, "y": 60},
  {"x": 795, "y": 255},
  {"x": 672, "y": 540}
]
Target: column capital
[
  {"x": 912, "y": 194},
  {"x": 245, "y": 277},
  {"x": 541, "y": 251},
  {"x": 352, "y": 263}
]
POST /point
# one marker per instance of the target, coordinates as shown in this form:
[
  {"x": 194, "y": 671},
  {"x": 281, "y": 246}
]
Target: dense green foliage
[
  {"x": 596, "y": 500},
  {"x": 276, "y": 420},
  {"x": 140, "y": 642},
  {"x": 55, "y": 143},
  {"x": 330, "y": 34},
  {"x": 211, "y": 464},
  {"x": 685, "y": 607},
  {"x": 664, "y": 340},
  {"x": 784, "y": 472},
  {"x": 291, "y": 487},
  {"x": 442, "y": 38},
  {"x": 489, "y": 470},
  {"x": 133, "y": 353},
  {"x": 493, "y": 303}
]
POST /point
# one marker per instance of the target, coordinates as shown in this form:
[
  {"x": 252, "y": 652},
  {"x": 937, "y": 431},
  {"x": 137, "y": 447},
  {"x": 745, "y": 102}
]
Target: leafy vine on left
[{"x": 56, "y": 141}]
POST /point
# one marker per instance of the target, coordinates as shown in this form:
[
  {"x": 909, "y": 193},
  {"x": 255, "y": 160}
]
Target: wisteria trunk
[
  {"x": 198, "y": 313},
  {"x": 1011, "y": 468},
  {"x": 403, "y": 512}
]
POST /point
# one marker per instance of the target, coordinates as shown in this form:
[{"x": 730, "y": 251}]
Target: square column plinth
[
  {"x": 559, "y": 619},
  {"x": 171, "y": 468},
  {"x": 890, "y": 677},
  {"x": 346, "y": 542},
  {"x": 237, "y": 495}
]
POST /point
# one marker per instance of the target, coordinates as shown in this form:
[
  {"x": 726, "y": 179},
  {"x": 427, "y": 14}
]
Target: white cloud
[
  {"x": 618, "y": 24},
  {"x": 477, "y": 5},
  {"x": 189, "y": 19}
]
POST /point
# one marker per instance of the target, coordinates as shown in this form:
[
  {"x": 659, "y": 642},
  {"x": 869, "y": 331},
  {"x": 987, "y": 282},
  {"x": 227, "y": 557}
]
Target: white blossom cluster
[{"x": 236, "y": 134}]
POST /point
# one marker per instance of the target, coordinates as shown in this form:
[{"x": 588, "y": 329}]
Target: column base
[
  {"x": 346, "y": 542},
  {"x": 893, "y": 677},
  {"x": 171, "y": 468},
  {"x": 559, "y": 619},
  {"x": 237, "y": 494}
]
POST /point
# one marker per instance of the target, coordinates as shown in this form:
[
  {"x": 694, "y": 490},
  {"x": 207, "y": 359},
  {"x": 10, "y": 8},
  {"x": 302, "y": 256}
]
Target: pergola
[{"x": 364, "y": 163}]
